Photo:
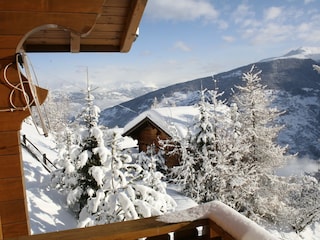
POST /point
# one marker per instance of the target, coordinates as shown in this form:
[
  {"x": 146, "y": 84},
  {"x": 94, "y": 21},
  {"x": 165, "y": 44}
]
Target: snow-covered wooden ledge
[
  {"x": 232, "y": 222},
  {"x": 217, "y": 220}
]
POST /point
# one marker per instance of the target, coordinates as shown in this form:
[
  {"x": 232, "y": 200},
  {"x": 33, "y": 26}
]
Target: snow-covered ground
[{"x": 47, "y": 208}]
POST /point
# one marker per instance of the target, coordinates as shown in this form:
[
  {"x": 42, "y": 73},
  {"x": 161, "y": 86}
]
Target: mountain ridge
[
  {"x": 300, "y": 53},
  {"x": 296, "y": 88}
]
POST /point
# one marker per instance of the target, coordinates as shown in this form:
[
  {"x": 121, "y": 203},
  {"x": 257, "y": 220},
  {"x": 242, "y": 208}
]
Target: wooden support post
[
  {"x": 13, "y": 207},
  {"x": 1, "y": 236}
]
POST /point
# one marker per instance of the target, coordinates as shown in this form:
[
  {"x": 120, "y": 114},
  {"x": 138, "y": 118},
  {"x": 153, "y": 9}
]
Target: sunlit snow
[{"x": 48, "y": 210}]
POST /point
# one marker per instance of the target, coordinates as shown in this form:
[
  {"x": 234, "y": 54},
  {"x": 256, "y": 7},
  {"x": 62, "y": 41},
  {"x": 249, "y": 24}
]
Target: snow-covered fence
[{"x": 37, "y": 154}]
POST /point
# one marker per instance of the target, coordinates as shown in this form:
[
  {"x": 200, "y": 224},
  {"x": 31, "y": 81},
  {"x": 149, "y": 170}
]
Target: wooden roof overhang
[{"x": 69, "y": 26}]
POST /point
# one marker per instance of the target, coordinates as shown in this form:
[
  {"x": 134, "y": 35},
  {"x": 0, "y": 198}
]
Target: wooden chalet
[
  {"x": 147, "y": 132},
  {"x": 65, "y": 26},
  {"x": 160, "y": 124}
]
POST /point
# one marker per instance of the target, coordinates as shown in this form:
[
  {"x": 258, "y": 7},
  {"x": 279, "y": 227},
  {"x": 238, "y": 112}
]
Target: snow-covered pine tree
[
  {"x": 202, "y": 165},
  {"x": 102, "y": 183},
  {"x": 201, "y": 152},
  {"x": 79, "y": 158},
  {"x": 178, "y": 147},
  {"x": 152, "y": 163},
  {"x": 261, "y": 155},
  {"x": 65, "y": 177},
  {"x": 122, "y": 195},
  {"x": 258, "y": 126},
  {"x": 304, "y": 195}
]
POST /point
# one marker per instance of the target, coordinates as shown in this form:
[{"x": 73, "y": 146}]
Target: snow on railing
[{"x": 232, "y": 222}]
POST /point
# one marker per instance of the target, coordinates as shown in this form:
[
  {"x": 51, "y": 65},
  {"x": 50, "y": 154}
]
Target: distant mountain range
[
  {"x": 103, "y": 98},
  {"x": 295, "y": 88}
]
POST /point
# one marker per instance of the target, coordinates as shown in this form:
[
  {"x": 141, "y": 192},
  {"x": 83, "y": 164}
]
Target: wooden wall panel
[
  {"x": 8, "y": 142},
  {"x": 11, "y": 189},
  {"x": 12, "y": 211},
  {"x": 15, "y": 229},
  {"x": 10, "y": 166}
]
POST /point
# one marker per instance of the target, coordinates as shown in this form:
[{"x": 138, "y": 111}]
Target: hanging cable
[
  {"x": 15, "y": 88},
  {"x": 33, "y": 91},
  {"x": 22, "y": 62}
]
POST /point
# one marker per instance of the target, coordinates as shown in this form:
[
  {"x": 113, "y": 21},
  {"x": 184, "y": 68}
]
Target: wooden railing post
[
  {"x": 24, "y": 140},
  {"x": 44, "y": 159}
]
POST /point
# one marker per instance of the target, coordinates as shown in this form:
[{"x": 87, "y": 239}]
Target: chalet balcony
[{"x": 210, "y": 221}]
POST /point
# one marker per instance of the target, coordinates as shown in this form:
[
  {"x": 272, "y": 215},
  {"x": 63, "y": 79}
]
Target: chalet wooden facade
[
  {"x": 159, "y": 124},
  {"x": 147, "y": 132}
]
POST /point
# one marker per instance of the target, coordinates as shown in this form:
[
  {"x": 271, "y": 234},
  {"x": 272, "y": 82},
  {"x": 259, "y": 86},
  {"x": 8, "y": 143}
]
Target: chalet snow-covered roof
[{"x": 171, "y": 120}]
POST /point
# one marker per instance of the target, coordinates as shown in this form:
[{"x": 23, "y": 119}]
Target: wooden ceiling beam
[
  {"x": 61, "y": 6},
  {"x": 75, "y": 42},
  {"x": 133, "y": 20},
  {"x": 27, "y": 21}
]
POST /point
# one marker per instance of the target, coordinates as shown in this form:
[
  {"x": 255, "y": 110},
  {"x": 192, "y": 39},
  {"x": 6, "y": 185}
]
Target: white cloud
[
  {"x": 277, "y": 24},
  {"x": 223, "y": 24},
  {"x": 242, "y": 13},
  {"x": 182, "y": 46},
  {"x": 185, "y": 10},
  {"x": 270, "y": 33},
  {"x": 228, "y": 39},
  {"x": 272, "y": 13},
  {"x": 308, "y": 1}
]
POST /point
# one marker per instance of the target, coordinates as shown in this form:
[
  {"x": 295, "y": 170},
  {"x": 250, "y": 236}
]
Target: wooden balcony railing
[
  {"x": 233, "y": 226},
  {"x": 148, "y": 228}
]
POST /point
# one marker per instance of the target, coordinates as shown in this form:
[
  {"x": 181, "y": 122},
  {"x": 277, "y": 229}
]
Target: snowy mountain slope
[
  {"x": 294, "y": 83},
  {"x": 290, "y": 75},
  {"x": 300, "y": 53}
]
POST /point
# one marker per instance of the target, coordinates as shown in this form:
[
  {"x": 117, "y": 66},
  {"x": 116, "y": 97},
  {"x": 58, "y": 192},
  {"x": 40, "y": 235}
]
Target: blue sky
[{"x": 182, "y": 40}]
